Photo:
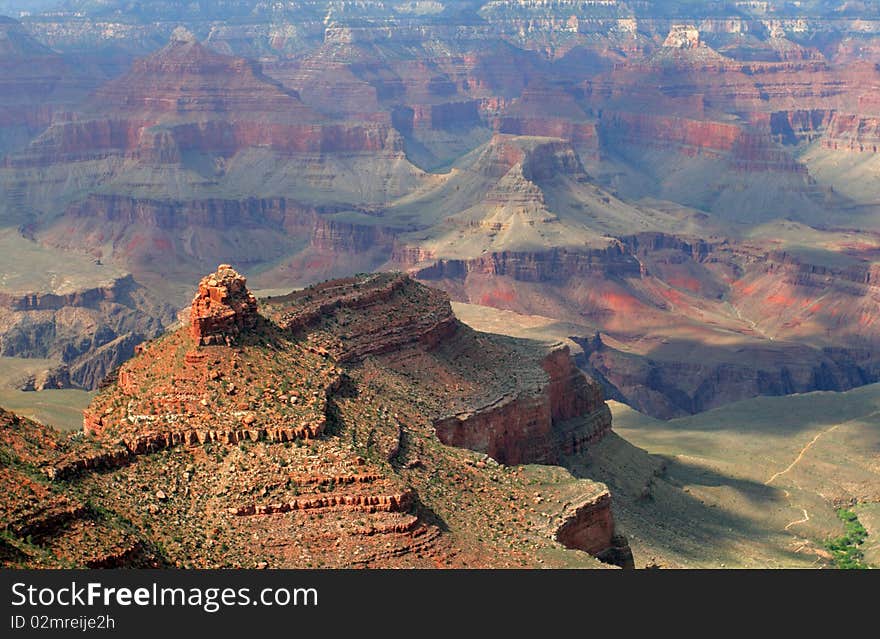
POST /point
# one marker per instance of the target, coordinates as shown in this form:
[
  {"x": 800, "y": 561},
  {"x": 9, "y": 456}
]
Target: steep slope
[
  {"x": 513, "y": 198},
  {"x": 764, "y": 477},
  {"x": 49, "y": 525},
  {"x": 192, "y": 154}
]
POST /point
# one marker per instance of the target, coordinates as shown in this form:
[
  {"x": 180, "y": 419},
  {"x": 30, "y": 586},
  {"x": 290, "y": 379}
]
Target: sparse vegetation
[{"x": 845, "y": 549}]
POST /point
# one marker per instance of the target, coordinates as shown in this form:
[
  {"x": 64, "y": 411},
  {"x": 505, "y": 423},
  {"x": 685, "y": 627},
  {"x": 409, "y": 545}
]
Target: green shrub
[{"x": 845, "y": 549}]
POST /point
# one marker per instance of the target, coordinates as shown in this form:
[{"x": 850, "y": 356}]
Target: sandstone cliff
[
  {"x": 223, "y": 308},
  {"x": 322, "y": 409}
]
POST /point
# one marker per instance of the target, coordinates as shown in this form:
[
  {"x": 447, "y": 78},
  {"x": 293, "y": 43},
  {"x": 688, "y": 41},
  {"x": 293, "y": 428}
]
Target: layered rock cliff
[
  {"x": 852, "y": 132},
  {"x": 544, "y": 266},
  {"x": 320, "y": 406},
  {"x": 223, "y": 308},
  {"x": 563, "y": 417},
  {"x": 36, "y": 84},
  {"x": 91, "y": 331},
  {"x": 186, "y": 98},
  {"x": 746, "y": 151}
]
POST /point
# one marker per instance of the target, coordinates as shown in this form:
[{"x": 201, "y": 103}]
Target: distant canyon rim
[{"x": 672, "y": 206}]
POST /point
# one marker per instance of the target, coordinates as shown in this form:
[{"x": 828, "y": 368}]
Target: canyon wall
[
  {"x": 150, "y": 141},
  {"x": 91, "y": 331},
  {"x": 87, "y": 297},
  {"x": 283, "y": 214},
  {"x": 545, "y": 266},
  {"x": 568, "y": 413},
  {"x": 853, "y": 133},
  {"x": 746, "y": 150}
]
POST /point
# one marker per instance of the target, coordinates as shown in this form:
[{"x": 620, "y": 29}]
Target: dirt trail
[
  {"x": 797, "y": 459},
  {"x": 753, "y": 325},
  {"x": 801, "y": 454},
  {"x": 799, "y": 521}
]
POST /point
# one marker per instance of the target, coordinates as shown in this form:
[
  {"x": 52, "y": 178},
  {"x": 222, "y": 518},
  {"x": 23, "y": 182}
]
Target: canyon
[
  {"x": 504, "y": 163},
  {"x": 683, "y": 199}
]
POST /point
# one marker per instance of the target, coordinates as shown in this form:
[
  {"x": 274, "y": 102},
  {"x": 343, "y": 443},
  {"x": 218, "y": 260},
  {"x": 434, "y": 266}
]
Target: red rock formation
[
  {"x": 569, "y": 392},
  {"x": 565, "y": 417},
  {"x": 73, "y": 464},
  {"x": 746, "y": 150},
  {"x": 377, "y": 332},
  {"x": 549, "y": 111},
  {"x": 564, "y": 413},
  {"x": 100, "y": 138},
  {"x": 513, "y": 430},
  {"x": 205, "y": 216},
  {"x": 400, "y": 502},
  {"x": 447, "y": 115},
  {"x": 345, "y": 237},
  {"x": 186, "y": 98},
  {"x": 188, "y": 78},
  {"x": 329, "y": 86},
  {"x": 88, "y": 297},
  {"x": 117, "y": 211},
  {"x": 584, "y": 135},
  {"x": 223, "y": 308},
  {"x": 853, "y": 132},
  {"x": 544, "y": 266},
  {"x": 589, "y": 526},
  {"x": 793, "y": 126},
  {"x": 36, "y": 84}
]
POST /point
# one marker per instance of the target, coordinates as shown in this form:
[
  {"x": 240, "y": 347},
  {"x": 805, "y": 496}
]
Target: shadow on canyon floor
[
  {"x": 657, "y": 505},
  {"x": 770, "y": 416}
]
